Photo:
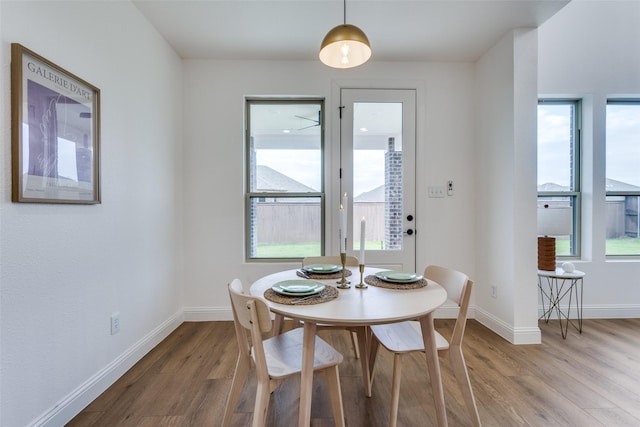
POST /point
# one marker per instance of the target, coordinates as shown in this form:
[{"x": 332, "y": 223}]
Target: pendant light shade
[{"x": 345, "y": 46}]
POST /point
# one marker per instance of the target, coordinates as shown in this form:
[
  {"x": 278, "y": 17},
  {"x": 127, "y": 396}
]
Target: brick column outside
[{"x": 393, "y": 197}]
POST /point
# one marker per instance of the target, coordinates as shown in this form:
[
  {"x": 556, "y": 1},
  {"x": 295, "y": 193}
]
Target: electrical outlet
[
  {"x": 494, "y": 291},
  {"x": 115, "y": 323},
  {"x": 436, "y": 191},
  {"x": 450, "y": 188}
]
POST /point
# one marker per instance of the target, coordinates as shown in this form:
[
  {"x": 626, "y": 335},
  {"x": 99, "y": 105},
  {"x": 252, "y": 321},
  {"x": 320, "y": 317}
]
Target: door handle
[{"x": 409, "y": 232}]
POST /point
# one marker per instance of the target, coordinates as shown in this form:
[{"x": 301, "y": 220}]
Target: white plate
[
  {"x": 398, "y": 276},
  {"x": 322, "y": 268},
  {"x": 298, "y": 287}
]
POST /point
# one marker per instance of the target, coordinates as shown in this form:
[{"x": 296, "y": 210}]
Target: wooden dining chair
[
  {"x": 350, "y": 261},
  {"x": 275, "y": 358},
  {"x": 406, "y": 337}
]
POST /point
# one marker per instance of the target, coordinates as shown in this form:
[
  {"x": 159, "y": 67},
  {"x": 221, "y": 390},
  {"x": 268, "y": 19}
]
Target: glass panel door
[{"x": 378, "y": 174}]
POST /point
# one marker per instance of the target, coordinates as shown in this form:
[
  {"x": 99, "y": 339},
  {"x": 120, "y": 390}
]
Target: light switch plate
[{"x": 436, "y": 191}]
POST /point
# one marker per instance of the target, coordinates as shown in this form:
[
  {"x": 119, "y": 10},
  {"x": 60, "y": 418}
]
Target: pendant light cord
[{"x": 344, "y": 12}]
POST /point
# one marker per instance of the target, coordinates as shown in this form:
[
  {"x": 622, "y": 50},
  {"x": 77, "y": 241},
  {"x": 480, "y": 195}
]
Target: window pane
[
  {"x": 284, "y": 156},
  {"x": 623, "y": 147},
  {"x": 286, "y": 146},
  {"x": 378, "y": 174},
  {"x": 622, "y": 225},
  {"x": 285, "y": 227},
  {"x": 555, "y": 146},
  {"x": 623, "y": 176},
  {"x": 556, "y": 219}
]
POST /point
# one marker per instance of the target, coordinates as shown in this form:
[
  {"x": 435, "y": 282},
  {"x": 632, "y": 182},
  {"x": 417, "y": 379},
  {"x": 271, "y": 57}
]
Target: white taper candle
[{"x": 363, "y": 225}]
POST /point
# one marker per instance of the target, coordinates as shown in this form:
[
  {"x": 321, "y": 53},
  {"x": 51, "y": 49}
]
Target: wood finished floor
[{"x": 589, "y": 379}]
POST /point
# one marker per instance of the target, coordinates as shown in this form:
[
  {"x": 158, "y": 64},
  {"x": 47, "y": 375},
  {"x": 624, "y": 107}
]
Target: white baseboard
[
  {"x": 618, "y": 311},
  {"x": 595, "y": 311},
  {"x": 71, "y": 405},
  {"x": 533, "y": 335},
  {"x": 213, "y": 314},
  {"x": 450, "y": 311},
  {"x": 447, "y": 311},
  {"x": 513, "y": 335},
  {"x": 207, "y": 314}
]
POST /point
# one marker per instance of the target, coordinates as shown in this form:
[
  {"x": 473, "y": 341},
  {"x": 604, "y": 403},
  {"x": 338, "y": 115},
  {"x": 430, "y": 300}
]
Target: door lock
[{"x": 409, "y": 232}]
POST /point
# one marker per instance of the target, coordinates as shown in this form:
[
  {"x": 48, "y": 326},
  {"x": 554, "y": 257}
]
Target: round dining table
[{"x": 357, "y": 309}]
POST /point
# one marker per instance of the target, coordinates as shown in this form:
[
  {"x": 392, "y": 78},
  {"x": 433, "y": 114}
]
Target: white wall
[
  {"x": 214, "y": 173},
  {"x": 589, "y": 50},
  {"x": 505, "y": 187},
  {"x": 66, "y": 269}
]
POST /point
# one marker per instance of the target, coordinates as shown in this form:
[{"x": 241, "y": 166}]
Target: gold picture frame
[{"x": 55, "y": 134}]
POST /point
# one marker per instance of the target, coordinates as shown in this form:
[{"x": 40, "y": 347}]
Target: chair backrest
[
  {"x": 330, "y": 259},
  {"x": 240, "y": 302},
  {"x": 458, "y": 287},
  {"x": 451, "y": 280},
  {"x": 252, "y": 319}
]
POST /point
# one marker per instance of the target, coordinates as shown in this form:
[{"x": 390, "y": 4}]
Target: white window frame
[
  {"x": 251, "y": 195},
  {"x": 574, "y": 194}
]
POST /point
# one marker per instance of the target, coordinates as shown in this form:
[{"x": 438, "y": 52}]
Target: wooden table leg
[
  {"x": 431, "y": 352},
  {"x": 364, "y": 341},
  {"x": 306, "y": 377},
  {"x": 278, "y": 323}
]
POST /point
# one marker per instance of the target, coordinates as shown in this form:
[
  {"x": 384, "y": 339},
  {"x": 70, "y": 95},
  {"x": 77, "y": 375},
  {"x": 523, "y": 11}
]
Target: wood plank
[{"x": 614, "y": 417}]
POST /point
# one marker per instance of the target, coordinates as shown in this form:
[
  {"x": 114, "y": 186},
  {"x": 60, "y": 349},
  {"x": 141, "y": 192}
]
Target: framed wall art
[{"x": 55, "y": 135}]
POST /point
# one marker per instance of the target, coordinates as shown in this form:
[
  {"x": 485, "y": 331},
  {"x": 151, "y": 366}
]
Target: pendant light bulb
[
  {"x": 345, "y": 50},
  {"x": 345, "y": 55}
]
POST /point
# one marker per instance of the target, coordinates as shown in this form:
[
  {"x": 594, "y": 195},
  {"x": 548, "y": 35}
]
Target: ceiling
[{"x": 398, "y": 30}]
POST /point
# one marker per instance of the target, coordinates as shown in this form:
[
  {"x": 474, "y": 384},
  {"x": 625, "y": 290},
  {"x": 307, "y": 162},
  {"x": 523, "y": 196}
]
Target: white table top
[
  {"x": 561, "y": 274},
  {"x": 353, "y": 306}
]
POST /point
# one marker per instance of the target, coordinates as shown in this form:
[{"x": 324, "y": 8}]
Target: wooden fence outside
[{"x": 300, "y": 222}]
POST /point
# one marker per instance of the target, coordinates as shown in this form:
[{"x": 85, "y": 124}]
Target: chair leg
[
  {"x": 374, "y": 345},
  {"x": 243, "y": 365},
  {"x": 278, "y": 323},
  {"x": 354, "y": 343},
  {"x": 456, "y": 358},
  {"x": 335, "y": 394},
  {"x": 262, "y": 404},
  {"x": 395, "y": 389}
]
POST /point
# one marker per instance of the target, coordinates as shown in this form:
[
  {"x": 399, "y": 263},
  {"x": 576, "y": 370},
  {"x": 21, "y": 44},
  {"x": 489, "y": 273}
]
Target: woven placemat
[
  {"x": 374, "y": 281},
  {"x": 327, "y": 294},
  {"x": 322, "y": 276}
]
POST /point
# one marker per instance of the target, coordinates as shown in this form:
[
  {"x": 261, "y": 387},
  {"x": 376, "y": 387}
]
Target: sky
[
  {"x": 622, "y": 144},
  {"x": 554, "y": 131},
  {"x": 304, "y": 167}
]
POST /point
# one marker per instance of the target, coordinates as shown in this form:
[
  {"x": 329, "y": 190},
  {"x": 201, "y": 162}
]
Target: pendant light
[{"x": 345, "y": 46}]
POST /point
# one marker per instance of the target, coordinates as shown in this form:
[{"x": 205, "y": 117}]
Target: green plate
[
  {"x": 398, "y": 276},
  {"x": 322, "y": 268},
  {"x": 298, "y": 287}
]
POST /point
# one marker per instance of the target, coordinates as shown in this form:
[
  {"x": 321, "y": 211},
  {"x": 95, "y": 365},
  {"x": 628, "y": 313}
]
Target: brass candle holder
[
  {"x": 343, "y": 283},
  {"x": 361, "y": 285}
]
